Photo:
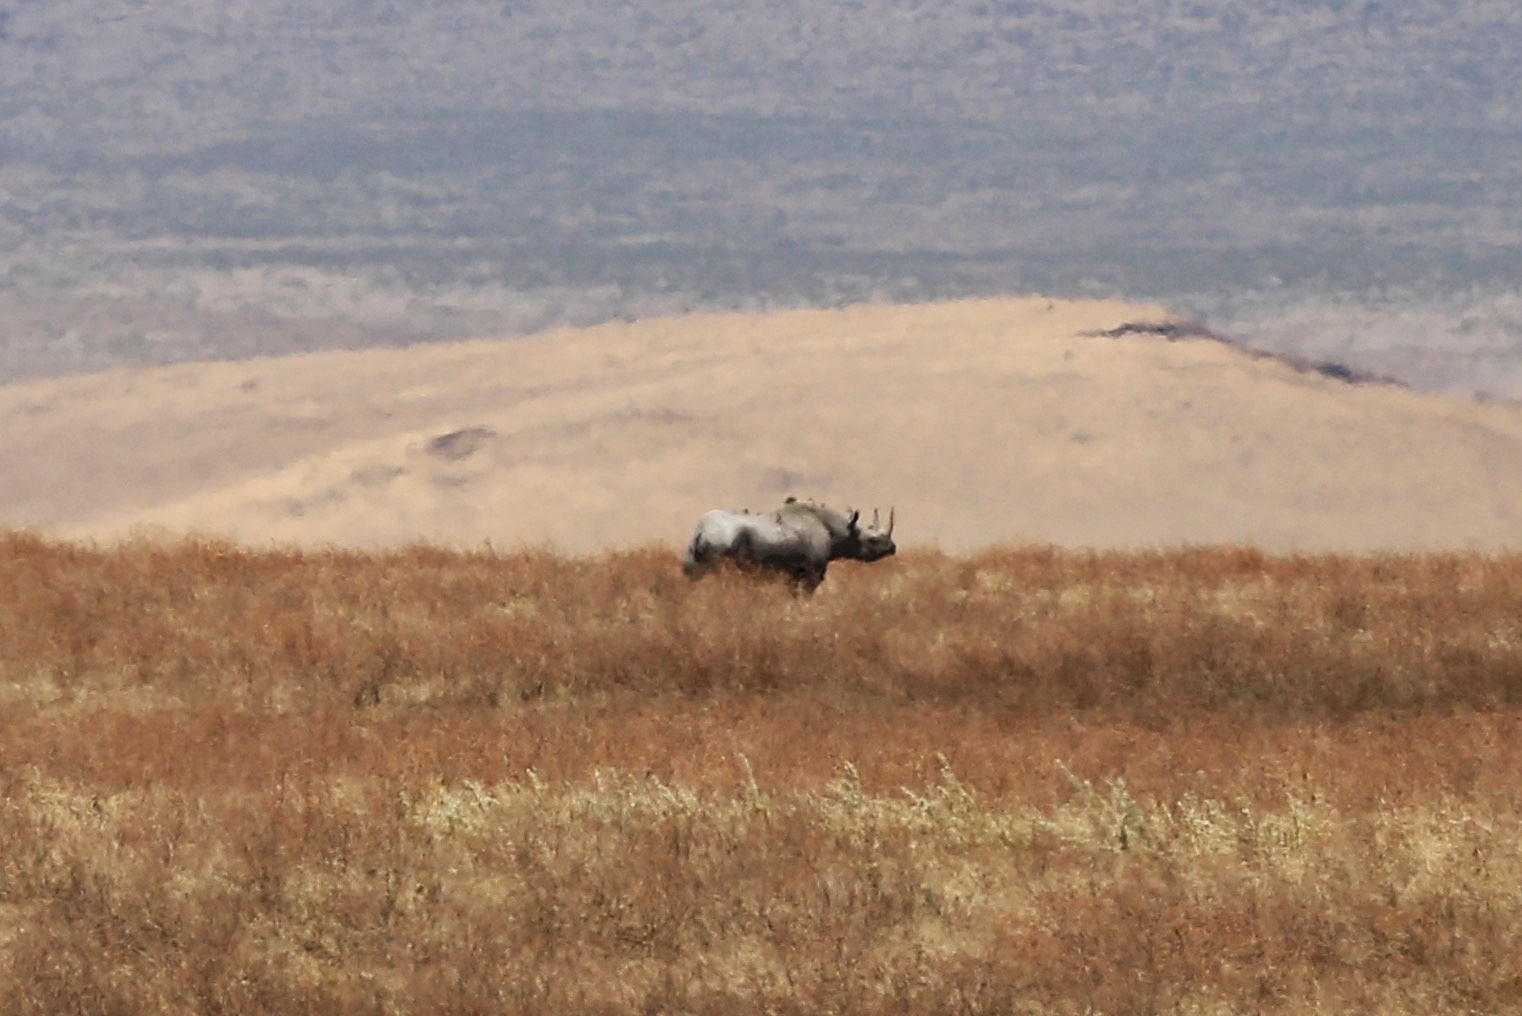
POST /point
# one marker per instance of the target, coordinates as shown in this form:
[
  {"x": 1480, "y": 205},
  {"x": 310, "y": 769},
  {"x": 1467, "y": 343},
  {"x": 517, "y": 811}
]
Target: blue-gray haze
[{"x": 1332, "y": 179}]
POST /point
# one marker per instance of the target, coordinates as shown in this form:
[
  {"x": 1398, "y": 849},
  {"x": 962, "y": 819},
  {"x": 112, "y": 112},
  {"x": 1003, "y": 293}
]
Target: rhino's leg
[
  {"x": 742, "y": 551},
  {"x": 806, "y": 579},
  {"x": 699, "y": 559}
]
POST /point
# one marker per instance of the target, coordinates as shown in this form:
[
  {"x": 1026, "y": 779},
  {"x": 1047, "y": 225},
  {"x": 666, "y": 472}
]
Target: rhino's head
[{"x": 873, "y": 543}]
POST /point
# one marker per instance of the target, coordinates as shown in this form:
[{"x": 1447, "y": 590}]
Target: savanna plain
[{"x": 1023, "y": 780}]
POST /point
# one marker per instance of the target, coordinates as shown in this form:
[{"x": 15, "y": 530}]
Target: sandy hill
[{"x": 982, "y": 421}]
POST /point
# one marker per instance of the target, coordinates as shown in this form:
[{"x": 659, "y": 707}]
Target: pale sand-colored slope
[{"x": 983, "y": 421}]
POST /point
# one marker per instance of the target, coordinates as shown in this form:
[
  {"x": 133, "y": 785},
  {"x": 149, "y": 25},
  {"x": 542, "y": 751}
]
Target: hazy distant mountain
[
  {"x": 1087, "y": 423},
  {"x": 191, "y": 179}
]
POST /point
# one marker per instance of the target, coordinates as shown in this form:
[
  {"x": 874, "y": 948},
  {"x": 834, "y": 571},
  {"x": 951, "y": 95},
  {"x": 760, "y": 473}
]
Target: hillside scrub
[{"x": 1025, "y": 780}]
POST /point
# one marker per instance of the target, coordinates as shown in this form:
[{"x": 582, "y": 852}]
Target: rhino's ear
[{"x": 851, "y": 522}]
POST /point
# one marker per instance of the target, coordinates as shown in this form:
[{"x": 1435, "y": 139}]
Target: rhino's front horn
[{"x": 890, "y": 520}]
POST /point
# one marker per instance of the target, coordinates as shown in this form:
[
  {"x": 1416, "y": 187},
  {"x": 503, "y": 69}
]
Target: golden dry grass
[{"x": 1026, "y": 780}]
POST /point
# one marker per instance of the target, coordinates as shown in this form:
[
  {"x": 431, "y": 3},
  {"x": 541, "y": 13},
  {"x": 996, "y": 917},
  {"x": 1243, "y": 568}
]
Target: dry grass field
[{"x": 1018, "y": 781}]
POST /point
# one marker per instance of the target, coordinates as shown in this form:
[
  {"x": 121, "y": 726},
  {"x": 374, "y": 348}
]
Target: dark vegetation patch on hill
[{"x": 1175, "y": 331}]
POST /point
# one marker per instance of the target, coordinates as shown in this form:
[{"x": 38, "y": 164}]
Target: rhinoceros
[{"x": 798, "y": 540}]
